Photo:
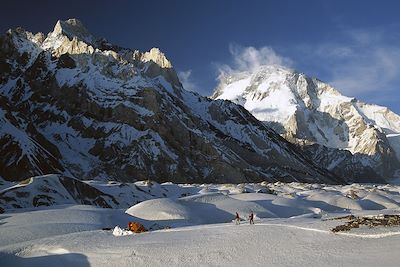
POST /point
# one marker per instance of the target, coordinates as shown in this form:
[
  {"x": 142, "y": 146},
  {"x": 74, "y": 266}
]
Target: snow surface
[
  {"x": 195, "y": 228},
  {"x": 267, "y": 103}
]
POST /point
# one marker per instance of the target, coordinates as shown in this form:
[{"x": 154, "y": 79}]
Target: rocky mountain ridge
[{"x": 79, "y": 106}]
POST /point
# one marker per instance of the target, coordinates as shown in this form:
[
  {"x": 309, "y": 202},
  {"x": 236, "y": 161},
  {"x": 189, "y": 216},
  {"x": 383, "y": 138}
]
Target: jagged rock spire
[
  {"x": 73, "y": 28},
  {"x": 157, "y": 57}
]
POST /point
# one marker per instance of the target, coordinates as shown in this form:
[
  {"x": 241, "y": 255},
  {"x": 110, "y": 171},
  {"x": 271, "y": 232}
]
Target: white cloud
[
  {"x": 373, "y": 70},
  {"x": 250, "y": 58},
  {"x": 186, "y": 80},
  {"x": 362, "y": 63}
]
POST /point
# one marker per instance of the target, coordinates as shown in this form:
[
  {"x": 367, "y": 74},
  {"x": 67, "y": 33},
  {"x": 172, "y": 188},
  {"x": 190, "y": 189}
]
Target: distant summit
[{"x": 309, "y": 112}]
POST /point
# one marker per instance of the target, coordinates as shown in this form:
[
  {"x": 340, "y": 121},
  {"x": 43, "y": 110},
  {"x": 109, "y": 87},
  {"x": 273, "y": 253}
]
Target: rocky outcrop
[
  {"x": 157, "y": 57},
  {"x": 343, "y": 163},
  {"x": 52, "y": 190}
]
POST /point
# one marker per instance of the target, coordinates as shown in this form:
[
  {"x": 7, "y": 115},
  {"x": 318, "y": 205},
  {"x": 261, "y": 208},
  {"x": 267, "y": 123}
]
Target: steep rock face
[
  {"x": 51, "y": 190},
  {"x": 307, "y": 111},
  {"x": 343, "y": 163},
  {"x": 85, "y": 108}
]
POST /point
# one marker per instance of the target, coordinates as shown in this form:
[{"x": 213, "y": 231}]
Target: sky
[{"x": 353, "y": 45}]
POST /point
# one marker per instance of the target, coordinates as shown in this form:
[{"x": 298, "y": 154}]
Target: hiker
[
  {"x": 251, "y": 218},
  {"x": 237, "y": 219}
]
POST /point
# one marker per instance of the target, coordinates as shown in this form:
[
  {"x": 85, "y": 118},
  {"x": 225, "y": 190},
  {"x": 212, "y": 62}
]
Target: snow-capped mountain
[
  {"x": 309, "y": 112},
  {"x": 79, "y": 106}
]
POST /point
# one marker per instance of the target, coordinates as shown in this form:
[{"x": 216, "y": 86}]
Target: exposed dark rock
[
  {"x": 42, "y": 200},
  {"x": 65, "y": 61},
  {"x": 86, "y": 194},
  {"x": 356, "y": 222}
]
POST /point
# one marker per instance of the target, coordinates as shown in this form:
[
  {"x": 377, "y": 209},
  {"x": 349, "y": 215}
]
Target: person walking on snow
[
  {"x": 251, "y": 218},
  {"x": 237, "y": 218}
]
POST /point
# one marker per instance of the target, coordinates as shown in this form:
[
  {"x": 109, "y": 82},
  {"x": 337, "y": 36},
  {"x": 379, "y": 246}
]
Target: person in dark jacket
[{"x": 251, "y": 218}]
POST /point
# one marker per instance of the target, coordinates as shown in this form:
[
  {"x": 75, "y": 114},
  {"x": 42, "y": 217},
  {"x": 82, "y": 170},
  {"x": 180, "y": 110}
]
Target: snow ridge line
[
  {"x": 366, "y": 236},
  {"x": 370, "y": 236},
  {"x": 191, "y": 228}
]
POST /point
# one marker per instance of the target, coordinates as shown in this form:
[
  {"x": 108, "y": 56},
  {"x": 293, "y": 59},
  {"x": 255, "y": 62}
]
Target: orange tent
[{"x": 136, "y": 227}]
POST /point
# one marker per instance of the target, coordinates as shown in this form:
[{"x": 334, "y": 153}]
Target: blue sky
[{"x": 353, "y": 45}]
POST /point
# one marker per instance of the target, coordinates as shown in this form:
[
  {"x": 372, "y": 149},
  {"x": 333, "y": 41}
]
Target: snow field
[
  {"x": 270, "y": 242},
  {"x": 292, "y": 228}
]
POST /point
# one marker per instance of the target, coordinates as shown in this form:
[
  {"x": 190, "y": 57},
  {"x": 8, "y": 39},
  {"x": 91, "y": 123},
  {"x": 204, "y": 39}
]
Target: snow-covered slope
[
  {"x": 192, "y": 203},
  {"x": 54, "y": 190},
  {"x": 82, "y": 107},
  {"x": 197, "y": 230},
  {"x": 307, "y": 111},
  {"x": 274, "y": 242}
]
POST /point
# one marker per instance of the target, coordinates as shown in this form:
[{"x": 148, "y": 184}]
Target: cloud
[
  {"x": 369, "y": 70},
  {"x": 362, "y": 63},
  {"x": 250, "y": 58},
  {"x": 186, "y": 79},
  {"x": 359, "y": 62}
]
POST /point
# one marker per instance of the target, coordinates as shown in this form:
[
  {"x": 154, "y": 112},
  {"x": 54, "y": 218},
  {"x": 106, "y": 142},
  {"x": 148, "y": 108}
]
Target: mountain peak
[
  {"x": 73, "y": 28},
  {"x": 305, "y": 110},
  {"x": 157, "y": 57},
  {"x": 237, "y": 85}
]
